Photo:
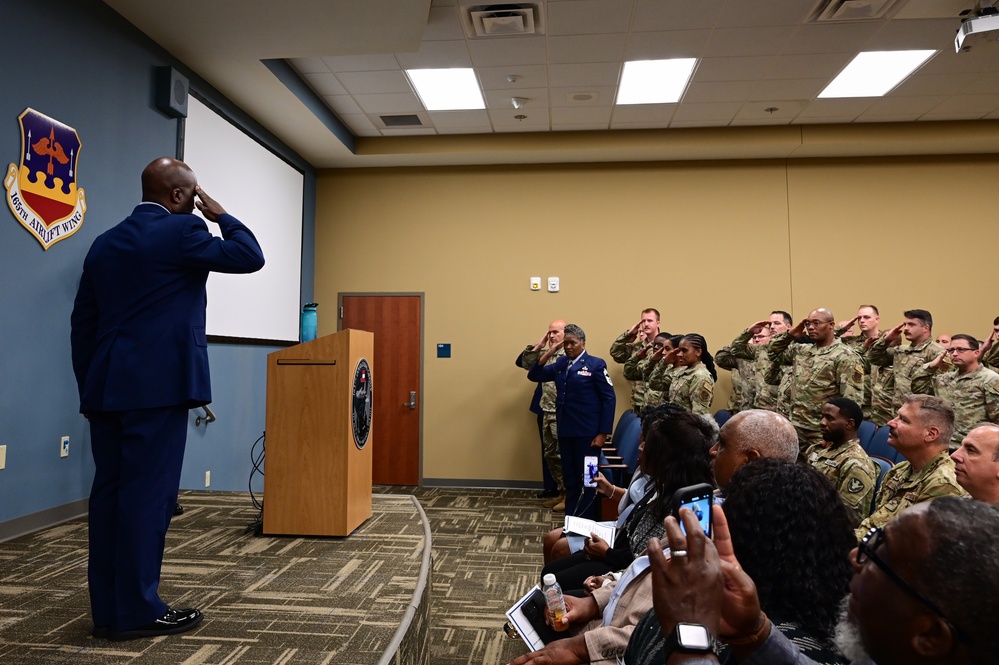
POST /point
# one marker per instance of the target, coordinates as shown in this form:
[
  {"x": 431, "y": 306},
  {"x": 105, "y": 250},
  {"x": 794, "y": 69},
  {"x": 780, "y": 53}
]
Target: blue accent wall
[{"x": 82, "y": 64}]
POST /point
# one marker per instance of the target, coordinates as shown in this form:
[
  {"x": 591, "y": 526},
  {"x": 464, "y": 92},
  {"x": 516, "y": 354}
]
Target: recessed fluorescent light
[
  {"x": 654, "y": 81},
  {"x": 875, "y": 73},
  {"x": 447, "y": 89}
]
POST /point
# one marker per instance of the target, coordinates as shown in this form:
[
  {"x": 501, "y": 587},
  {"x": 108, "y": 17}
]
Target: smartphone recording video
[
  {"x": 590, "y": 464},
  {"x": 698, "y": 499}
]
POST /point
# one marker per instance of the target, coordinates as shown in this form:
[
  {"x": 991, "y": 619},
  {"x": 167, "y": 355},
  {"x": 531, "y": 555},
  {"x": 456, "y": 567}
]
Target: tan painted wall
[{"x": 713, "y": 245}]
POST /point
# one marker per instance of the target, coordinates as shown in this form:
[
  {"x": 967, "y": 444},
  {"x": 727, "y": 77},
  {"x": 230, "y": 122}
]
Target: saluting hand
[{"x": 208, "y": 206}]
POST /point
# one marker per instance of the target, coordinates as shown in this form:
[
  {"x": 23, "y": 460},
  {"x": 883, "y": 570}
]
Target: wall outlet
[
  {"x": 3, "y": 457},
  {"x": 208, "y": 478},
  {"x": 64, "y": 447}
]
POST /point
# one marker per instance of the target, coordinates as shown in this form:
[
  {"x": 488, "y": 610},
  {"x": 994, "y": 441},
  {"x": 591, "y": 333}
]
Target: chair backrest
[
  {"x": 866, "y": 432},
  {"x": 883, "y": 465},
  {"x": 627, "y": 418},
  {"x": 879, "y": 446},
  {"x": 722, "y": 416},
  {"x": 627, "y": 445}
]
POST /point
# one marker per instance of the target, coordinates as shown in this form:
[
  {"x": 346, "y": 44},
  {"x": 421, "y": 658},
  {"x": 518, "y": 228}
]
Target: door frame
[{"x": 422, "y": 296}]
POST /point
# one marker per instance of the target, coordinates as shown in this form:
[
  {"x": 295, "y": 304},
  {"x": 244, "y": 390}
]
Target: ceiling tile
[
  {"x": 832, "y": 38},
  {"x": 922, "y": 83},
  {"x": 732, "y": 69},
  {"x": 309, "y": 65},
  {"x": 799, "y": 89},
  {"x": 437, "y": 55},
  {"x": 755, "y": 113},
  {"x": 601, "y": 96},
  {"x": 382, "y": 104},
  {"x": 637, "y": 113},
  {"x": 369, "y": 83},
  {"x": 507, "y": 51},
  {"x": 655, "y": 15},
  {"x": 505, "y": 121},
  {"x": 587, "y": 48},
  {"x": 586, "y": 17},
  {"x": 902, "y": 107},
  {"x": 968, "y": 105},
  {"x": 583, "y": 75},
  {"x": 925, "y": 34},
  {"x": 668, "y": 44},
  {"x": 581, "y": 115},
  {"x": 808, "y": 66},
  {"x": 359, "y": 124},
  {"x": 764, "y": 13},
  {"x": 748, "y": 41},
  {"x": 343, "y": 105},
  {"x": 844, "y": 109},
  {"x": 715, "y": 112},
  {"x": 325, "y": 84},
  {"x": 477, "y": 120},
  {"x": 500, "y": 99},
  {"x": 413, "y": 131},
  {"x": 528, "y": 76},
  {"x": 718, "y": 91}
]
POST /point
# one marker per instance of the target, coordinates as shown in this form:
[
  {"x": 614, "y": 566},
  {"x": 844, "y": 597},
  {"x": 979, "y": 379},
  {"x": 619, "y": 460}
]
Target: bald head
[
  {"x": 749, "y": 435},
  {"x": 556, "y": 330},
  {"x": 819, "y": 326},
  {"x": 976, "y": 463},
  {"x": 171, "y": 183}
]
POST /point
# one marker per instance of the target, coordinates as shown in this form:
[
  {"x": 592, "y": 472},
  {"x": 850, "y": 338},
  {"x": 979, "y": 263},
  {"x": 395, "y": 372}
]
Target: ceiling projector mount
[{"x": 979, "y": 27}]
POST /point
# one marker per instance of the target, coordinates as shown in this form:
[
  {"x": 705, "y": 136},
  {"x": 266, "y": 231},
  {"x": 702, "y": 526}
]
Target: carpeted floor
[{"x": 293, "y": 600}]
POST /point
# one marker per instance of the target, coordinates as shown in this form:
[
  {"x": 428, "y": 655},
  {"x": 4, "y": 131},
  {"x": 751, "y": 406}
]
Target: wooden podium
[{"x": 317, "y": 480}]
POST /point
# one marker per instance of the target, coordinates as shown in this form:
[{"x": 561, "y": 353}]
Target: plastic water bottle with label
[{"x": 555, "y": 601}]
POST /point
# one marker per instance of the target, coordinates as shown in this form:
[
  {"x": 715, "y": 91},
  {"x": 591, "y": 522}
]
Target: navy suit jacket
[
  {"x": 586, "y": 400},
  {"x": 138, "y": 323},
  {"x": 536, "y": 399}
]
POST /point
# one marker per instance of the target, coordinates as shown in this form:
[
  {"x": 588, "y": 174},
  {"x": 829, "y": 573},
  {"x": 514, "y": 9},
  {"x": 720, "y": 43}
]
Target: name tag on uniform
[
  {"x": 583, "y": 372},
  {"x": 831, "y": 462}
]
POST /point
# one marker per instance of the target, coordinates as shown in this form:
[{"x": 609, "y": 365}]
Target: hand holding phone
[{"x": 698, "y": 498}]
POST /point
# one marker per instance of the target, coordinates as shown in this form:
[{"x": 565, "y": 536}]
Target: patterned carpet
[{"x": 279, "y": 601}]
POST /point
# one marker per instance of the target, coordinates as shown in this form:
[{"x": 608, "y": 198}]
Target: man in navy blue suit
[
  {"x": 141, "y": 361},
  {"x": 585, "y": 411}
]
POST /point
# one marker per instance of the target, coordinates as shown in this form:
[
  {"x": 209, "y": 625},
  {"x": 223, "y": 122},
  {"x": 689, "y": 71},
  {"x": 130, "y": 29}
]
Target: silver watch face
[{"x": 693, "y": 636}]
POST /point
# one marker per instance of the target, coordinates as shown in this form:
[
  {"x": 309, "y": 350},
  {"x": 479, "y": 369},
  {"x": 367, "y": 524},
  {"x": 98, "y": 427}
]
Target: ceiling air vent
[
  {"x": 853, "y": 10},
  {"x": 401, "y": 120},
  {"x": 508, "y": 20}
]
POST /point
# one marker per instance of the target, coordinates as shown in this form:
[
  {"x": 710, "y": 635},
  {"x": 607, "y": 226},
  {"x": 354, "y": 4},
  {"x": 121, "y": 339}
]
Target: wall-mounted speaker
[{"x": 171, "y": 92}]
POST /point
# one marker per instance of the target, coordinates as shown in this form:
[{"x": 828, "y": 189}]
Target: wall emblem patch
[
  {"x": 42, "y": 191},
  {"x": 361, "y": 403}
]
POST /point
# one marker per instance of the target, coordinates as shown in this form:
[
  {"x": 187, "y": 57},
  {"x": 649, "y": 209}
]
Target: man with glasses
[
  {"x": 919, "y": 432},
  {"x": 822, "y": 370},
  {"x": 976, "y": 464},
  {"x": 970, "y": 387},
  {"x": 922, "y": 593},
  {"x": 632, "y": 341}
]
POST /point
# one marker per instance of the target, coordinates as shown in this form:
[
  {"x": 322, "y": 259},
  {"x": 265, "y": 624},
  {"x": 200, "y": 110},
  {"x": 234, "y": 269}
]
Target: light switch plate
[{"x": 553, "y": 285}]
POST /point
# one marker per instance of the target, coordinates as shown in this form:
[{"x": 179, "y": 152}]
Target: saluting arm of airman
[
  {"x": 740, "y": 345},
  {"x": 780, "y": 349}
]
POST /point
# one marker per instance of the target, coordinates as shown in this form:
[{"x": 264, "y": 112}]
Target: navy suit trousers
[{"x": 138, "y": 455}]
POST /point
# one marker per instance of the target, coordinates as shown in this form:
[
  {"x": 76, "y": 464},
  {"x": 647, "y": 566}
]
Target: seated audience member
[
  {"x": 692, "y": 385},
  {"x": 966, "y": 384},
  {"x": 750, "y": 435},
  {"x": 773, "y": 510},
  {"x": 919, "y": 432},
  {"x": 976, "y": 464},
  {"x": 923, "y": 592},
  {"x": 557, "y": 544},
  {"x": 675, "y": 455},
  {"x": 840, "y": 458}
]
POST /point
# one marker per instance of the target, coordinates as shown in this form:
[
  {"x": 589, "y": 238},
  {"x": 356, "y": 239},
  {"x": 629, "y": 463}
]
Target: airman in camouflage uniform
[
  {"x": 905, "y": 485},
  {"x": 743, "y": 376},
  {"x": 990, "y": 350},
  {"x": 840, "y": 458},
  {"x": 764, "y": 392},
  {"x": 920, "y": 432},
  {"x": 690, "y": 387},
  {"x": 879, "y": 385},
  {"x": 971, "y": 388},
  {"x": 659, "y": 376},
  {"x": 820, "y": 371},
  {"x": 905, "y": 360},
  {"x": 549, "y": 425},
  {"x": 631, "y": 342}
]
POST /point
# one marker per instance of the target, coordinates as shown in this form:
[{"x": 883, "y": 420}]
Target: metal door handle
[{"x": 412, "y": 400}]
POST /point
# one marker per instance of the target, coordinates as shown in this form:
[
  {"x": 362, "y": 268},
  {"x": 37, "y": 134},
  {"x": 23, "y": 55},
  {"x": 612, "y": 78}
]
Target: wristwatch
[{"x": 689, "y": 638}]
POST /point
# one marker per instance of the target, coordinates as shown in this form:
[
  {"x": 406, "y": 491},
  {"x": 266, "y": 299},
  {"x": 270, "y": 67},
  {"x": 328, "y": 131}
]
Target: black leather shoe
[
  {"x": 101, "y": 632},
  {"x": 171, "y": 623},
  {"x": 547, "y": 494},
  {"x": 178, "y": 510}
]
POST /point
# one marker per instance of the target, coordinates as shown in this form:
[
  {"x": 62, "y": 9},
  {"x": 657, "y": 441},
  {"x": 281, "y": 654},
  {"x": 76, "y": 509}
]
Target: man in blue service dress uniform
[
  {"x": 584, "y": 409},
  {"x": 141, "y": 361}
]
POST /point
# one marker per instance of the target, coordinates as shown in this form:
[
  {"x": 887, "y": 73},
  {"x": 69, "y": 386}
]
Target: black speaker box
[{"x": 171, "y": 92}]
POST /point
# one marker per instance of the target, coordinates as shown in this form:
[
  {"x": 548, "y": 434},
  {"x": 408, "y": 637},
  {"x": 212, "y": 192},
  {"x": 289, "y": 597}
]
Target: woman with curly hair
[
  {"x": 791, "y": 533},
  {"x": 674, "y": 454}
]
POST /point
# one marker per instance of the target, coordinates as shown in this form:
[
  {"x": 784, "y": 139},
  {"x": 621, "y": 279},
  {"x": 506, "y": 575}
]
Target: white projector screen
[{"x": 266, "y": 193}]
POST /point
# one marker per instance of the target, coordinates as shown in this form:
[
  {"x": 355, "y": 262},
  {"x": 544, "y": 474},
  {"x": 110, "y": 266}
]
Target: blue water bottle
[{"x": 309, "y": 321}]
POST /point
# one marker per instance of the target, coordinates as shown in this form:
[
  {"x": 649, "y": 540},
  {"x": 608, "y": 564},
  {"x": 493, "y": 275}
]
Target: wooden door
[{"x": 395, "y": 321}]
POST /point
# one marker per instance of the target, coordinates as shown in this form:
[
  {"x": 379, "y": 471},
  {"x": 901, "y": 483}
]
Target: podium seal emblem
[{"x": 360, "y": 404}]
